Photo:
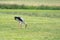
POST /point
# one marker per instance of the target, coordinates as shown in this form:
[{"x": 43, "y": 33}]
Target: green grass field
[{"x": 45, "y": 25}]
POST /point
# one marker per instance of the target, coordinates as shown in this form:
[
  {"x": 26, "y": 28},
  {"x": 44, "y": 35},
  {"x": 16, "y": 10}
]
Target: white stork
[{"x": 20, "y": 20}]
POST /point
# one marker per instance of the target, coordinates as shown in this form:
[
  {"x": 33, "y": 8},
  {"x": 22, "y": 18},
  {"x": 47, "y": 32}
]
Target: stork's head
[{"x": 16, "y": 17}]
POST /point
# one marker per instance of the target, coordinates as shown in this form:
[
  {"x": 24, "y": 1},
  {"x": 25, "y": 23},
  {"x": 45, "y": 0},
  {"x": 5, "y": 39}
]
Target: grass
[{"x": 41, "y": 27}]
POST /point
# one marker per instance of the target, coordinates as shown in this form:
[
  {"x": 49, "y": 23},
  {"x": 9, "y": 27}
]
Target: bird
[{"x": 20, "y": 20}]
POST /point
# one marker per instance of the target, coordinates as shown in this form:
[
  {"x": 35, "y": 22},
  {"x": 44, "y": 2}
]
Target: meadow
[{"x": 42, "y": 25}]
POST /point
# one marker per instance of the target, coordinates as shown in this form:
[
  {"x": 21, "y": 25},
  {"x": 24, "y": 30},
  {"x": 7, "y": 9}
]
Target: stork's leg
[
  {"x": 20, "y": 26},
  {"x": 25, "y": 26}
]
